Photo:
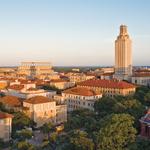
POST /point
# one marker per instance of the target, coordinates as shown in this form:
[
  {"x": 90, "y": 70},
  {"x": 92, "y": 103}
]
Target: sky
[{"x": 72, "y": 32}]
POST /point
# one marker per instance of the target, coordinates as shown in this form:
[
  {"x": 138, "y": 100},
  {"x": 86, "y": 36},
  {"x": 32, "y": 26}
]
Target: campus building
[
  {"x": 109, "y": 87},
  {"x": 35, "y": 69},
  {"x": 80, "y": 97},
  {"x": 43, "y": 110},
  {"x": 123, "y": 55},
  {"x": 5, "y": 126}
]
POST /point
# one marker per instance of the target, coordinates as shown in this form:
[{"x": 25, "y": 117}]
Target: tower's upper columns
[
  {"x": 123, "y": 30},
  {"x": 123, "y": 33}
]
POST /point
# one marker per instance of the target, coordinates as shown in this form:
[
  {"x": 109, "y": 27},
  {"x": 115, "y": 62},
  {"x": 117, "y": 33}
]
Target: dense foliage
[
  {"x": 20, "y": 121},
  {"x": 53, "y": 88},
  {"x": 117, "y": 131},
  {"x": 113, "y": 125}
]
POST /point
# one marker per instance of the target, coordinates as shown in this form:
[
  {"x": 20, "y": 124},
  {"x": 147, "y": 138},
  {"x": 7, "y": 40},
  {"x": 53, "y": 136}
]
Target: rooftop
[
  {"x": 5, "y": 115},
  {"x": 57, "y": 80},
  {"x": 11, "y": 101},
  {"x": 38, "y": 100},
  {"x": 16, "y": 87},
  {"x": 81, "y": 91},
  {"x": 142, "y": 74},
  {"x": 146, "y": 118},
  {"x": 23, "y": 81},
  {"x": 106, "y": 84}
]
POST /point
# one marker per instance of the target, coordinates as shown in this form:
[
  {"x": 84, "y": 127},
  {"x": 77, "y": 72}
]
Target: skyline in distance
[{"x": 71, "y": 32}]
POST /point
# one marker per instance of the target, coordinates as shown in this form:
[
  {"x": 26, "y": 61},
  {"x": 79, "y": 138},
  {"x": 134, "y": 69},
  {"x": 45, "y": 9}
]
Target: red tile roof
[
  {"x": 39, "y": 82},
  {"x": 57, "y": 80},
  {"x": 106, "y": 84},
  {"x": 38, "y": 100},
  {"x": 23, "y": 81},
  {"x": 11, "y": 101},
  {"x": 81, "y": 91},
  {"x": 16, "y": 87},
  {"x": 5, "y": 115},
  {"x": 108, "y": 74},
  {"x": 142, "y": 75}
]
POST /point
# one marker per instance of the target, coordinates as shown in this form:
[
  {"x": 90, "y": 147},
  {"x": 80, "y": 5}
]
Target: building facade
[
  {"x": 80, "y": 97},
  {"x": 141, "y": 77},
  {"x": 61, "y": 84},
  {"x": 123, "y": 55},
  {"x": 43, "y": 110},
  {"x": 5, "y": 126},
  {"x": 27, "y": 89},
  {"x": 141, "y": 80},
  {"x": 79, "y": 77},
  {"x": 61, "y": 114},
  {"x": 145, "y": 125},
  {"x": 35, "y": 69},
  {"x": 109, "y": 87}
]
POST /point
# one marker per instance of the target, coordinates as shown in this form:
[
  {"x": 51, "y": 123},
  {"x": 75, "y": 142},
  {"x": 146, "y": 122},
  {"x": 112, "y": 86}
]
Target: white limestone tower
[{"x": 123, "y": 55}]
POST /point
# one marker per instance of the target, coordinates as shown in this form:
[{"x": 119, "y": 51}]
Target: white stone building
[
  {"x": 5, "y": 126},
  {"x": 80, "y": 97},
  {"x": 43, "y": 110}
]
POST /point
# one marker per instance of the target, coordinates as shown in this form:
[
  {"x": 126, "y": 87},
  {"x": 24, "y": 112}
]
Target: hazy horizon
[{"x": 71, "y": 33}]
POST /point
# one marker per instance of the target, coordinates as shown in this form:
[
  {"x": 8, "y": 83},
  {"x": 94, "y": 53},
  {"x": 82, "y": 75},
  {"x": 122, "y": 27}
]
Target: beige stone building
[
  {"x": 104, "y": 70},
  {"x": 61, "y": 113},
  {"x": 35, "y": 69},
  {"x": 59, "y": 99},
  {"x": 109, "y": 87},
  {"x": 25, "y": 89},
  {"x": 79, "y": 77},
  {"x": 141, "y": 79},
  {"x": 5, "y": 126},
  {"x": 76, "y": 69},
  {"x": 123, "y": 55},
  {"x": 52, "y": 76},
  {"x": 80, "y": 97},
  {"x": 3, "y": 84},
  {"x": 61, "y": 84},
  {"x": 42, "y": 110},
  {"x": 8, "y": 72}
]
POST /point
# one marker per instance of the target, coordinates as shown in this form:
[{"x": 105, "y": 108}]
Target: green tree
[
  {"x": 46, "y": 128},
  {"x": 23, "y": 134},
  {"x": 23, "y": 145},
  {"x": 2, "y": 107},
  {"x": 46, "y": 145},
  {"x": 104, "y": 106},
  {"x": 48, "y": 87},
  {"x": 81, "y": 118},
  {"x": 130, "y": 106},
  {"x": 147, "y": 97},
  {"x": 117, "y": 132},
  {"x": 1, "y": 143},
  {"x": 53, "y": 137},
  {"x": 140, "y": 93},
  {"x": 79, "y": 141},
  {"x": 140, "y": 144},
  {"x": 20, "y": 121}
]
